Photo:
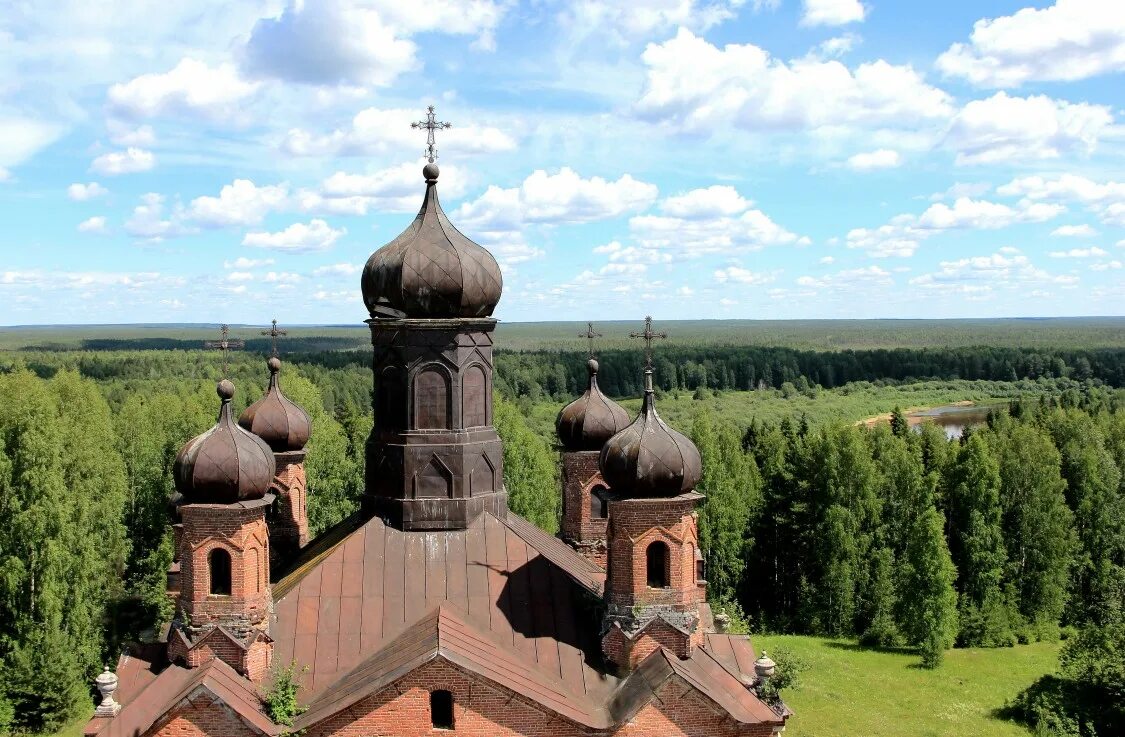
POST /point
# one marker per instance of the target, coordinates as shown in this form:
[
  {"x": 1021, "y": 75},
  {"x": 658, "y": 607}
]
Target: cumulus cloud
[
  {"x": 239, "y": 203},
  {"x": 129, "y": 161},
  {"x": 337, "y": 270},
  {"x": 338, "y": 42},
  {"x": 21, "y": 138},
  {"x": 961, "y": 189},
  {"x": 904, "y": 233},
  {"x": 718, "y": 200},
  {"x": 832, "y": 12},
  {"x": 692, "y": 85},
  {"x": 1072, "y": 39},
  {"x": 317, "y": 235},
  {"x": 642, "y": 18},
  {"x": 883, "y": 158},
  {"x": 1005, "y": 129},
  {"x": 745, "y": 277},
  {"x": 1074, "y": 231},
  {"x": 394, "y": 189},
  {"x": 81, "y": 192},
  {"x": 375, "y": 132},
  {"x": 191, "y": 87},
  {"x": 247, "y": 263},
  {"x": 982, "y": 274},
  {"x": 1106, "y": 199},
  {"x": 849, "y": 279},
  {"x": 94, "y": 224},
  {"x": 148, "y": 220},
  {"x": 1079, "y": 253}
]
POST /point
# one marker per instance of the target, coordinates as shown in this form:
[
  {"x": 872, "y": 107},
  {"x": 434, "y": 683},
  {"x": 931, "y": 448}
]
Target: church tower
[
  {"x": 583, "y": 427},
  {"x": 285, "y": 427},
  {"x": 434, "y": 460},
  {"x": 653, "y": 592},
  {"x": 224, "y": 478}
]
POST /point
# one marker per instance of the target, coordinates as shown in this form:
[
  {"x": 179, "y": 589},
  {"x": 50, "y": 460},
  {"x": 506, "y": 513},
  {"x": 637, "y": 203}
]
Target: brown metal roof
[
  {"x": 734, "y": 652},
  {"x": 522, "y": 587},
  {"x": 175, "y": 684},
  {"x": 448, "y": 634}
]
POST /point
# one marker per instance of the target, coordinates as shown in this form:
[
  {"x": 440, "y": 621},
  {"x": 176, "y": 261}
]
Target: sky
[{"x": 765, "y": 159}]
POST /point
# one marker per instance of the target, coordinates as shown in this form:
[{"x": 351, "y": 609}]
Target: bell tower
[{"x": 434, "y": 460}]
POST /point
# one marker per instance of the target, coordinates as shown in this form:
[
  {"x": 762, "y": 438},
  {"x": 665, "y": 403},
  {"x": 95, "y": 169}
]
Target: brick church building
[{"x": 435, "y": 609}]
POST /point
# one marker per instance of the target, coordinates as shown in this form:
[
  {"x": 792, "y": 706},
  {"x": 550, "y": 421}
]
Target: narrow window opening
[
  {"x": 657, "y": 556},
  {"x": 441, "y": 709},
  {"x": 219, "y": 563},
  {"x": 599, "y": 507}
]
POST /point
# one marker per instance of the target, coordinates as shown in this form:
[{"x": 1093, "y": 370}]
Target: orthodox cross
[
  {"x": 648, "y": 335},
  {"x": 224, "y": 344},
  {"x": 431, "y": 124},
  {"x": 274, "y": 333},
  {"x": 589, "y": 335}
]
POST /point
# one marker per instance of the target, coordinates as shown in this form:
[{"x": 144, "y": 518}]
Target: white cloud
[
  {"x": 87, "y": 281},
  {"x": 883, "y": 158},
  {"x": 1106, "y": 199},
  {"x": 22, "y": 138},
  {"x": 240, "y": 276},
  {"x": 1074, "y": 231},
  {"x": 247, "y": 263},
  {"x": 336, "y": 42},
  {"x": 239, "y": 203},
  {"x": 191, "y": 87},
  {"x": 297, "y": 238},
  {"x": 148, "y": 221},
  {"x": 832, "y": 12},
  {"x": 395, "y": 189},
  {"x": 716, "y": 219},
  {"x": 81, "y": 192},
  {"x": 5, "y": 175},
  {"x": 1106, "y": 266},
  {"x": 904, "y": 233},
  {"x": 124, "y": 134},
  {"x": 129, "y": 161},
  {"x": 826, "y": 260},
  {"x": 374, "y": 132},
  {"x": 738, "y": 275},
  {"x": 848, "y": 279},
  {"x": 615, "y": 251},
  {"x": 1072, "y": 39},
  {"x": 94, "y": 224},
  {"x": 961, "y": 189},
  {"x": 1004, "y": 129},
  {"x": 642, "y": 18},
  {"x": 694, "y": 86},
  {"x": 1007, "y": 268},
  {"x": 1091, "y": 252},
  {"x": 837, "y": 46}
]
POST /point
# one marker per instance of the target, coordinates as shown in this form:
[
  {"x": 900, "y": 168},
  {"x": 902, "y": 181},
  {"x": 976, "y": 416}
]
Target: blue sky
[{"x": 213, "y": 161}]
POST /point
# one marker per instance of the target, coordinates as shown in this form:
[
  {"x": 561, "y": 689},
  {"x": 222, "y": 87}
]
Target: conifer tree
[{"x": 530, "y": 468}]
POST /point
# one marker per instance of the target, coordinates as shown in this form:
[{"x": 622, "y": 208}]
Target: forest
[{"x": 812, "y": 524}]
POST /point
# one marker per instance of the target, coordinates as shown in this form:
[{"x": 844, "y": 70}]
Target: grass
[{"x": 849, "y": 691}]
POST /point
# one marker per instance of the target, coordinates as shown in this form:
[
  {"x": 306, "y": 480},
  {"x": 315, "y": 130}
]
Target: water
[{"x": 952, "y": 418}]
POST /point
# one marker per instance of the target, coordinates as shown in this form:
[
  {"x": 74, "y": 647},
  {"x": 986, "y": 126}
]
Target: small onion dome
[
  {"x": 226, "y": 464},
  {"x": 431, "y": 270},
  {"x": 175, "y": 499},
  {"x": 648, "y": 458},
  {"x": 275, "y": 418},
  {"x": 593, "y": 418}
]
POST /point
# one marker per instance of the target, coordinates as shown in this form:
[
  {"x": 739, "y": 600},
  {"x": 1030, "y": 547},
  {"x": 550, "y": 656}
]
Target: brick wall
[
  {"x": 636, "y": 524},
  {"x": 631, "y": 651},
  {"x": 202, "y": 716},
  {"x": 240, "y": 531},
  {"x": 584, "y": 532},
  {"x": 289, "y": 527},
  {"x": 484, "y": 709}
]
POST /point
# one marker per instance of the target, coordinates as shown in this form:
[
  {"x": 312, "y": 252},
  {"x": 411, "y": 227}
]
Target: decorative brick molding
[
  {"x": 289, "y": 521},
  {"x": 585, "y": 532}
]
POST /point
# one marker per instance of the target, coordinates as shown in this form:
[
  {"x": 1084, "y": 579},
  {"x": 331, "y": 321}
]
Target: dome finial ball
[
  {"x": 225, "y": 390},
  {"x": 430, "y": 172},
  {"x": 274, "y": 364}
]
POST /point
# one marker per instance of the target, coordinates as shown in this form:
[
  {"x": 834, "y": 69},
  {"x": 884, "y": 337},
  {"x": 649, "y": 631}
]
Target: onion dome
[
  {"x": 226, "y": 464},
  {"x": 593, "y": 418},
  {"x": 648, "y": 458},
  {"x": 431, "y": 270},
  {"x": 275, "y": 418}
]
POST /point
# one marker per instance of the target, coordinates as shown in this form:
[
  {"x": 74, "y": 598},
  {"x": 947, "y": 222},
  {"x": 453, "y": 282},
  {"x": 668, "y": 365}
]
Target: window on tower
[
  {"x": 441, "y": 709},
  {"x": 657, "y": 557},
  {"x": 599, "y": 507},
  {"x": 219, "y": 565}
]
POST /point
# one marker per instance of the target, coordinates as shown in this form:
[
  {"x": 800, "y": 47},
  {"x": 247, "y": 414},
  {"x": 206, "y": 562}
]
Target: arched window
[
  {"x": 219, "y": 565},
  {"x": 431, "y": 400},
  {"x": 657, "y": 557},
  {"x": 390, "y": 399},
  {"x": 474, "y": 397},
  {"x": 441, "y": 709},
  {"x": 599, "y": 507}
]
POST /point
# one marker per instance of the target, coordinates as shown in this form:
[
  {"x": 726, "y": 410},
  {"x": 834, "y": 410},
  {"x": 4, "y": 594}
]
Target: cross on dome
[
  {"x": 274, "y": 333},
  {"x": 648, "y": 336},
  {"x": 431, "y": 124},
  {"x": 589, "y": 335},
  {"x": 224, "y": 344}
]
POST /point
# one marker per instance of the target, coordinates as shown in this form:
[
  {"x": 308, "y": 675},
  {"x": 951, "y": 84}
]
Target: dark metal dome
[
  {"x": 648, "y": 458},
  {"x": 274, "y": 418},
  {"x": 431, "y": 270},
  {"x": 589, "y": 421},
  {"x": 226, "y": 464}
]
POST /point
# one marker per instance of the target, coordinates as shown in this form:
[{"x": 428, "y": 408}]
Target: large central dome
[{"x": 431, "y": 270}]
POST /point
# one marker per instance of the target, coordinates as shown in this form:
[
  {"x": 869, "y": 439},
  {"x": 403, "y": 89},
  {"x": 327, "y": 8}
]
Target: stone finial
[
  {"x": 764, "y": 668},
  {"x": 722, "y": 622},
  {"x": 107, "y": 684}
]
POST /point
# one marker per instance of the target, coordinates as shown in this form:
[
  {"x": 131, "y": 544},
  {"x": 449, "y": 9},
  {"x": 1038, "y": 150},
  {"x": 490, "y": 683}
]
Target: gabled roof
[
  {"x": 344, "y": 602},
  {"x": 175, "y": 684},
  {"x": 447, "y": 634}
]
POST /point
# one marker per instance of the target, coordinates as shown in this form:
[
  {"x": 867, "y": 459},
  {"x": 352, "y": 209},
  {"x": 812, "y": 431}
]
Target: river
[{"x": 952, "y": 418}]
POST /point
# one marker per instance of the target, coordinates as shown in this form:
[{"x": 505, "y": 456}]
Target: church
[{"x": 435, "y": 609}]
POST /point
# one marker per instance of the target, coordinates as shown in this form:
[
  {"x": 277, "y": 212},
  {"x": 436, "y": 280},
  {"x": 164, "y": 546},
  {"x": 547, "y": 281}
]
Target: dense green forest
[{"x": 812, "y": 524}]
